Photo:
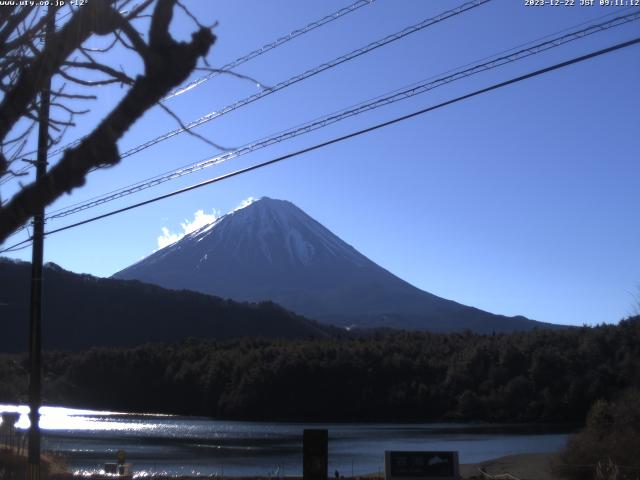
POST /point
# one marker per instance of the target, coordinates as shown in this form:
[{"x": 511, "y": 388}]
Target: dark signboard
[
  {"x": 417, "y": 465},
  {"x": 315, "y": 451}
]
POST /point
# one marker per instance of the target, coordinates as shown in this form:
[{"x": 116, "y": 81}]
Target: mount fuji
[{"x": 272, "y": 250}]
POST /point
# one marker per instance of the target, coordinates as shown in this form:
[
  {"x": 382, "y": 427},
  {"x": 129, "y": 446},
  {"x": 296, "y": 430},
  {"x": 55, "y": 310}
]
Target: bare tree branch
[
  {"x": 190, "y": 131},
  {"x": 240, "y": 76},
  {"x": 98, "y": 17},
  {"x": 93, "y": 65},
  {"x": 12, "y": 24},
  {"x": 87, "y": 83},
  {"x": 167, "y": 64},
  {"x": 135, "y": 13}
]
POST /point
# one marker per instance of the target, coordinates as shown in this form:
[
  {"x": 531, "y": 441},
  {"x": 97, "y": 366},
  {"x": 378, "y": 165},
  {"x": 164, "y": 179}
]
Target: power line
[
  {"x": 270, "y": 46},
  {"x": 299, "y": 77},
  {"x": 18, "y": 246},
  {"x": 292, "y": 80},
  {"x": 17, "y": 174},
  {"x": 350, "y": 8},
  {"x": 308, "y": 74},
  {"x": 240, "y": 60},
  {"x": 293, "y": 34},
  {"x": 321, "y": 122},
  {"x": 378, "y": 126}
]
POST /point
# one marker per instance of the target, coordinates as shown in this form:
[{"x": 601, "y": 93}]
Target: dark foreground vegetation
[
  {"x": 13, "y": 466},
  {"x": 537, "y": 376},
  {"x": 607, "y": 448}
]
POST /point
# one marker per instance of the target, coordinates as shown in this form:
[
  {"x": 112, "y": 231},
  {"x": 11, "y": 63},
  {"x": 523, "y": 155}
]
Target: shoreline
[{"x": 529, "y": 466}]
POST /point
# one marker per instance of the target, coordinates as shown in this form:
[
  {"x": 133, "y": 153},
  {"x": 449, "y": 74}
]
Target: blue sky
[{"x": 521, "y": 201}]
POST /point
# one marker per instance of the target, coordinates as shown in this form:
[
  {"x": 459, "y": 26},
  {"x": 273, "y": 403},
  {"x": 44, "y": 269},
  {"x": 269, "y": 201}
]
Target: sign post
[
  {"x": 121, "y": 459},
  {"x": 421, "y": 465},
  {"x": 315, "y": 451}
]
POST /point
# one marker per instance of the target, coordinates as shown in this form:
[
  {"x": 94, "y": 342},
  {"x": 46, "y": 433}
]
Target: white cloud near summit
[
  {"x": 200, "y": 219},
  {"x": 245, "y": 203}
]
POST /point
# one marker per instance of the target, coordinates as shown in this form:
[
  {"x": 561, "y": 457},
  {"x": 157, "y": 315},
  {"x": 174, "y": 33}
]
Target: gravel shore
[{"x": 530, "y": 466}]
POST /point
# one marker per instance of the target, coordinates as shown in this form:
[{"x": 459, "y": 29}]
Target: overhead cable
[
  {"x": 245, "y": 58},
  {"x": 270, "y": 46},
  {"x": 324, "y": 121},
  {"x": 298, "y": 77},
  {"x": 342, "y": 138}
]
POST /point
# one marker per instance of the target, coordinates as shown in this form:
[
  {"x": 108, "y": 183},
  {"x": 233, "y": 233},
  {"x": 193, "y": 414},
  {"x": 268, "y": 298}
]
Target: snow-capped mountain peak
[
  {"x": 275, "y": 229},
  {"x": 270, "y": 249}
]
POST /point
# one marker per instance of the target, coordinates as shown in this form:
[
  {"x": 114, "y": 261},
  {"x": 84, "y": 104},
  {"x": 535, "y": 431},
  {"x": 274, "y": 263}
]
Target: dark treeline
[
  {"x": 126, "y": 313},
  {"x": 537, "y": 376}
]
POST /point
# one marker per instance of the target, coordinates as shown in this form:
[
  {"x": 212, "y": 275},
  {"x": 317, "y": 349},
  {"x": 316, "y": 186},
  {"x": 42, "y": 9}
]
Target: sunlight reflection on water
[
  {"x": 89, "y": 472},
  {"x": 61, "y": 418},
  {"x": 185, "y": 446}
]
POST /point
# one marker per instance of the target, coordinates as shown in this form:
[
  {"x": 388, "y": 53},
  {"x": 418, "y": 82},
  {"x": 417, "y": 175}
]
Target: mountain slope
[
  {"x": 272, "y": 250},
  {"x": 81, "y": 311}
]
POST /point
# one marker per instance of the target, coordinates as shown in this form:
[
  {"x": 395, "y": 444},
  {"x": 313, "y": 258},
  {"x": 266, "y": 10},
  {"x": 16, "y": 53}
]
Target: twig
[{"x": 190, "y": 131}]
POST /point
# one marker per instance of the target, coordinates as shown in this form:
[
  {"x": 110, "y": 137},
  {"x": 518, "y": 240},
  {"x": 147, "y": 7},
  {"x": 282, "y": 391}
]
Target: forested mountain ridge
[
  {"x": 81, "y": 311},
  {"x": 537, "y": 376},
  {"x": 272, "y": 250}
]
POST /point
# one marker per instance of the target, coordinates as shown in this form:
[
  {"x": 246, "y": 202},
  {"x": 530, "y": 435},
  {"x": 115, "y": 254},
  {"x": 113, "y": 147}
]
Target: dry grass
[
  {"x": 607, "y": 448},
  {"x": 14, "y": 466}
]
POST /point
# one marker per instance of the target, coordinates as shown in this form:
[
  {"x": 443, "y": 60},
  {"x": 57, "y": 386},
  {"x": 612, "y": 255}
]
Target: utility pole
[{"x": 35, "y": 334}]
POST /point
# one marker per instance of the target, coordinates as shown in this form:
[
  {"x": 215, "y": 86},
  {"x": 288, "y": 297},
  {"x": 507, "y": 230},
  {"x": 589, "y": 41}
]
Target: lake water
[{"x": 174, "y": 445}]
